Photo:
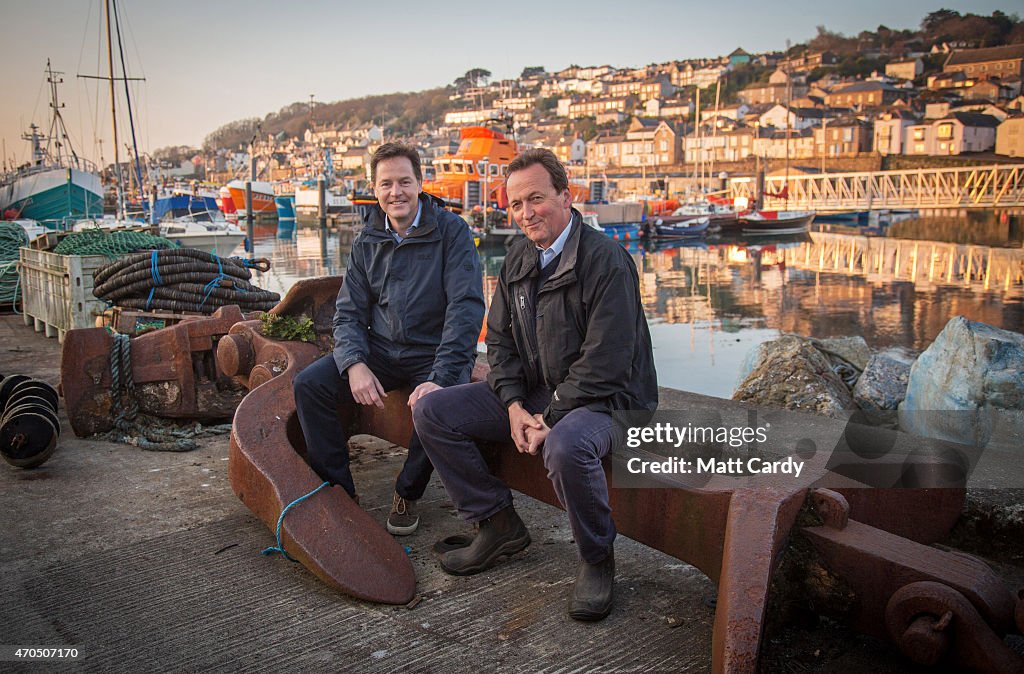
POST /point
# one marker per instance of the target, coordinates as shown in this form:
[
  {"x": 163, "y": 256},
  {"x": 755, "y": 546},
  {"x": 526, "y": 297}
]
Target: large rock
[
  {"x": 883, "y": 386},
  {"x": 966, "y": 384},
  {"x": 854, "y": 350},
  {"x": 790, "y": 373}
]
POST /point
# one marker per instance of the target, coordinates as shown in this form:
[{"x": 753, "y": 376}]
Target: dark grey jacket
[
  {"x": 591, "y": 342},
  {"x": 418, "y": 298}
]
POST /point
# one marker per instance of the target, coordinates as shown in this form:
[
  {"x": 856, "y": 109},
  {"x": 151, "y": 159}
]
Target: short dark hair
[
  {"x": 393, "y": 150},
  {"x": 547, "y": 159}
]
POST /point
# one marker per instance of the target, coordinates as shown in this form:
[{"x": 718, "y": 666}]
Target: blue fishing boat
[
  {"x": 198, "y": 208},
  {"x": 285, "y": 206},
  {"x": 693, "y": 228}
]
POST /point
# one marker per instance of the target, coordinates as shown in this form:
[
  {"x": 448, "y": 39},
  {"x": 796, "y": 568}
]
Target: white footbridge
[{"x": 964, "y": 187}]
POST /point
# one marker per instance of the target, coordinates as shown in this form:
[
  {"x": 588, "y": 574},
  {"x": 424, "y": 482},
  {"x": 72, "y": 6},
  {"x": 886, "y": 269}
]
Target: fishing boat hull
[
  {"x": 262, "y": 198},
  {"x": 692, "y": 228},
  {"x": 776, "y": 222},
  {"x": 54, "y": 196},
  {"x": 285, "y": 208}
]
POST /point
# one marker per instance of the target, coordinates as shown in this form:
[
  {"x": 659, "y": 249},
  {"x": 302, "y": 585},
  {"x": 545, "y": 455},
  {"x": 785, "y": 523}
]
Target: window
[
  {"x": 848, "y": 135},
  {"x": 469, "y": 168},
  {"x": 457, "y": 166},
  {"x": 919, "y": 134},
  {"x": 945, "y": 131},
  {"x": 494, "y": 169}
]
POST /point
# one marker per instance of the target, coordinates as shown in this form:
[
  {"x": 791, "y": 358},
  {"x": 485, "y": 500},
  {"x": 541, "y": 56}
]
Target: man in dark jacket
[
  {"x": 568, "y": 344},
  {"x": 408, "y": 314}
]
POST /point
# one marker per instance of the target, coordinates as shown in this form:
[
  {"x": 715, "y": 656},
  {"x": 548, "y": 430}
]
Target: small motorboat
[
  {"x": 759, "y": 223},
  {"x": 691, "y": 228}
]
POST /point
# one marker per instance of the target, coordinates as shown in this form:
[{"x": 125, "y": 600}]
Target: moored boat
[
  {"x": 766, "y": 222},
  {"x": 285, "y": 207},
  {"x": 693, "y": 227},
  {"x": 56, "y": 186},
  {"x": 262, "y": 197}
]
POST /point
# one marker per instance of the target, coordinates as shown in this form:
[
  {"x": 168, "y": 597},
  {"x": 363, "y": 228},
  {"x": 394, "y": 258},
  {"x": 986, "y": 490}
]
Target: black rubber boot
[
  {"x": 592, "y": 594},
  {"x": 499, "y": 535}
]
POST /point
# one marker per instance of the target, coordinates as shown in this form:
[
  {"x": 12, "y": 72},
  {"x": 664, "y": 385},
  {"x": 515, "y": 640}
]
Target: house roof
[
  {"x": 966, "y": 56},
  {"x": 858, "y": 87},
  {"x": 973, "y": 119},
  {"x": 645, "y": 122}
]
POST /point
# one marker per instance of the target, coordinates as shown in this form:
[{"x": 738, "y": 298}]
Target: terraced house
[{"x": 998, "y": 62}]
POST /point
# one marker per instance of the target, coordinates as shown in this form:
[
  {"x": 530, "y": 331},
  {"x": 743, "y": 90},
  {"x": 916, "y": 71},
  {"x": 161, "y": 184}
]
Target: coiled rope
[
  {"x": 183, "y": 279},
  {"x": 141, "y": 430}
]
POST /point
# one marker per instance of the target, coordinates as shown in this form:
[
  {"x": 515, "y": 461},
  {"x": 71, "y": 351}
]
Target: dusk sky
[{"x": 209, "y": 63}]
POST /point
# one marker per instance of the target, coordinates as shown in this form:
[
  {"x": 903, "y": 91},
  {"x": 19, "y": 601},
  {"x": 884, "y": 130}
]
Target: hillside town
[{"x": 928, "y": 105}]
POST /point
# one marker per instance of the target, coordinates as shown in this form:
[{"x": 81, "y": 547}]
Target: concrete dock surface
[{"x": 146, "y": 561}]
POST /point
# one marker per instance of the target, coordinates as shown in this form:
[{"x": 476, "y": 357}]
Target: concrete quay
[{"x": 146, "y": 561}]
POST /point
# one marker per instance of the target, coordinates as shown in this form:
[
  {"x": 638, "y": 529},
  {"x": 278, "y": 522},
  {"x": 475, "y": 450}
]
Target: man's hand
[
  {"x": 520, "y": 421},
  {"x": 535, "y": 437},
  {"x": 422, "y": 390},
  {"x": 366, "y": 388}
]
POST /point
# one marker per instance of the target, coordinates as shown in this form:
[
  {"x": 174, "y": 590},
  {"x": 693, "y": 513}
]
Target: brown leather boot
[
  {"x": 592, "y": 594},
  {"x": 499, "y": 535}
]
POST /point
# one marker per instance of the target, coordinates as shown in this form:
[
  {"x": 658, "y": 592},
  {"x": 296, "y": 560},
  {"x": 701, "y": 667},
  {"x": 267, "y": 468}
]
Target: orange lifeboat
[{"x": 482, "y": 159}]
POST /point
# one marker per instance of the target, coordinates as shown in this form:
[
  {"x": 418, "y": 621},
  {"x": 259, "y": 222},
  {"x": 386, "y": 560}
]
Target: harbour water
[{"x": 710, "y": 304}]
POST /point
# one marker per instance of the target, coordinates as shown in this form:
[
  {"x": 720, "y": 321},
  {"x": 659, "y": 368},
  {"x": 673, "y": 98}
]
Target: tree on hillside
[
  {"x": 474, "y": 77},
  {"x": 946, "y": 25},
  {"x": 532, "y": 71}
]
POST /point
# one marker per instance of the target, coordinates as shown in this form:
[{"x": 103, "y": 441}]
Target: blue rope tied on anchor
[{"x": 280, "y": 520}]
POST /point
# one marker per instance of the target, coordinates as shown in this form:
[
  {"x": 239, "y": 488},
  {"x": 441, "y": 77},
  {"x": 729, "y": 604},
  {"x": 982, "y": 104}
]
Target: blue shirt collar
[
  {"x": 414, "y": 225},
  {"x": 555, "y": 249}
]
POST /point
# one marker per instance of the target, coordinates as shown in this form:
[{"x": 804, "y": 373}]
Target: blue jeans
[
  {"x": 450, "y": 421},
  {"x": 320, "y": 389}
]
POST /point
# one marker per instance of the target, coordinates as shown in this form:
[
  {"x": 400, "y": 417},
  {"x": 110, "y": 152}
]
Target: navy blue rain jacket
[{"x": 421, "y": 297}]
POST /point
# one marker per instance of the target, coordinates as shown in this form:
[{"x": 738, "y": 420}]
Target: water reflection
[{"x": 710, "y": 303}]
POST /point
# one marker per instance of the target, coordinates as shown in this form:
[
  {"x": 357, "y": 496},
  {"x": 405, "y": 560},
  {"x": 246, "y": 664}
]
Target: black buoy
[{"x": 29, "y": 425}]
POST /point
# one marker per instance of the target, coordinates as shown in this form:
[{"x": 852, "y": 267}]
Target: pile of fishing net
[
  {"x": 112, "y": 243},
  {"x": 12, "y": 237},
  {"x": 182, "y": 279}
]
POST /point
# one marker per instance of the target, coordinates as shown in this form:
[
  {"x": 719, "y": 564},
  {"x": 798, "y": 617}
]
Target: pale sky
[{"x": 209, "y": 63}]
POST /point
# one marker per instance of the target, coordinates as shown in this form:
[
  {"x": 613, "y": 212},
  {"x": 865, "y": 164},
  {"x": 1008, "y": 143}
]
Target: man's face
[
  {"x": 397, "y": 189},
  {"x": 539, "y": 210}
]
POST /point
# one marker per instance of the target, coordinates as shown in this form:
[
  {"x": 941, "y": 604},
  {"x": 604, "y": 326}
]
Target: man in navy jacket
[{"x": 408, "y": 314}]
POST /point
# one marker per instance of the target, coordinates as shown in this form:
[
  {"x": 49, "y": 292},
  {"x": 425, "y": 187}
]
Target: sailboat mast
[
  {"x": 113, "y": 116},
  {"x": 789, "y": 114}
]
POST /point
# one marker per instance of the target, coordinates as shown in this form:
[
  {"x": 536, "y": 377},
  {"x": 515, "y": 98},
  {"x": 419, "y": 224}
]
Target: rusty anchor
[
  {"x": 934, "y": 605},
  {"x": 329, "y": 534},
  {"x": 174, "y": 372}
]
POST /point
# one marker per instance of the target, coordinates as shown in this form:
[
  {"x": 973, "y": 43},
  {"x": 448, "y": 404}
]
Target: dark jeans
[
  {"x": 450, "y": 421},
  {"x": 320, "y": 388}
]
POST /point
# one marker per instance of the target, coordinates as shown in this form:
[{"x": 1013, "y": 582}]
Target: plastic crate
[{"x": 56, "y": 291}]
